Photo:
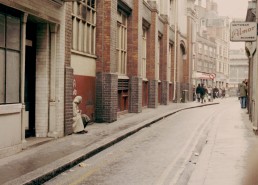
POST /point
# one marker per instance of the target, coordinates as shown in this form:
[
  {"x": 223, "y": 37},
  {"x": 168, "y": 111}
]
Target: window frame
[
  {"x": 84, "y": 27},
  {"x": 121, "y": 42},
  {"x": 7, "y": 12},
  {"x": 144, "y": 52}
]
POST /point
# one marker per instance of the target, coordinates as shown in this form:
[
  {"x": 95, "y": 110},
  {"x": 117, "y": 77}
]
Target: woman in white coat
[{"x": 78, "y": 126}]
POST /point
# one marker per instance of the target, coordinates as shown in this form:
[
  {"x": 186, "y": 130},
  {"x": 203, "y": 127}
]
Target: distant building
[
  {"x": 212, "y": 57},
  {"x": 238, "y": 69}
]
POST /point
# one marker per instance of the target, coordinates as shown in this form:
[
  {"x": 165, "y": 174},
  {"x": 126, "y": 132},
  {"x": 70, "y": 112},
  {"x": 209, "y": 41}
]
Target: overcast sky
[{"x": 233, "y": 9}]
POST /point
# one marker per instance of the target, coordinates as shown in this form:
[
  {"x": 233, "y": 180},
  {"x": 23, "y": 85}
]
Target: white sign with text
[{"x": 243, "y": 31}]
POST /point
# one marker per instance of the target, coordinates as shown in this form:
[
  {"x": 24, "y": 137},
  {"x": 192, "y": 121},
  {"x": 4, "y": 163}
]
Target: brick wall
[
  {"x": 152, "y": 47},
  {"x": 165, "y": 92},
  {"x": 68, "y": 106},
  {"x": 68, "y": 33},
  {"x": 68, "y": 86},
  {"x": 135, "y": 89},
  {"x": 153, "y": 93},
  {"x": 134, "y": 38},
  {"x": 106, "y": 97},
  {"x": 106, "y": 36}
]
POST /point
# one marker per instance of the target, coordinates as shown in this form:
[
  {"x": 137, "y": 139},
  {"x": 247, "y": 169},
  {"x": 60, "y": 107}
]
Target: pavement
[
  {"x": 39, "y": 163},
  {"x": 229, "y": 156}
]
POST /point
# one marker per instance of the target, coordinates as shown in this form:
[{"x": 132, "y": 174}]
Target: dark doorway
[{"x": 30, "y": 77}]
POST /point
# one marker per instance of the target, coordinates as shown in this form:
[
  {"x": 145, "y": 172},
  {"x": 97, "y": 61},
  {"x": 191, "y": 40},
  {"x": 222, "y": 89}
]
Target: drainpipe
[
  {"x": 175, "y": 50},
  {"x": 24, "y": 115}
]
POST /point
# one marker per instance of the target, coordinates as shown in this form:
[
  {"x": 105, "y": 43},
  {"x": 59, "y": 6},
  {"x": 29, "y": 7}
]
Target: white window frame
[
  {"x": 144, "y": 52},
  {"x": 84, "y": 26},
  {"x": 121, "y": 45}
]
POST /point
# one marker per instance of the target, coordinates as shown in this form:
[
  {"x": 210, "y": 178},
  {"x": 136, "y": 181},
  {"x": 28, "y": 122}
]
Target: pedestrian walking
[
  {"x": 215, "y": 92},
  {"x": 223, "y": 92},
  {"x": 209, "y": 89},
  {"x": 243, "y": 94},
  {"x": 203, "y": 91},
  {"x": 198, "y": 92},
  {"x": 194, "y": 93}
]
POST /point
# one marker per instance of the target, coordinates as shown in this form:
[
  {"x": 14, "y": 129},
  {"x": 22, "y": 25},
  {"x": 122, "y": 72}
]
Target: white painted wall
[
  {"x": 84, "y": 66},
  {"x": 10, "y": 129}
]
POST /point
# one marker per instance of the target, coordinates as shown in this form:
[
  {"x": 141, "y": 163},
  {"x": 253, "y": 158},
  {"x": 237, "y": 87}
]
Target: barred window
[
  {"x": 10, "y": 44},
  {"x": 121, "y": 43},
  {"x": 84, "y": 26}
]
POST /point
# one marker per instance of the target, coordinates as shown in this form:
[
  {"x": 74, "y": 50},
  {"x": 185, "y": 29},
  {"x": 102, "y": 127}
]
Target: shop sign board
[
  {"x": 243, "y": 31},
  {"x": 205, "y": 75}
]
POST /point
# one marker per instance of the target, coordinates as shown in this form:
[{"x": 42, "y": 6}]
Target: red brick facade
[{"x": 109, "y": 98}]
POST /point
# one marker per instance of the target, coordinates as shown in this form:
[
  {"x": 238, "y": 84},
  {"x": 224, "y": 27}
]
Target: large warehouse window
[
  {"x": 121, "y": 43},
  {"x": 84, "y": 26},
  {"x": 144, "y": 51},
  {"x": 10, "y": 44}
]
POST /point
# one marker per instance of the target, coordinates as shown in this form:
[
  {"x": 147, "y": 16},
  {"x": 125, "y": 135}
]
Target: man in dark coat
[
  {"x": 202, "y": 92},
  {"x": 198, "y": 92}
]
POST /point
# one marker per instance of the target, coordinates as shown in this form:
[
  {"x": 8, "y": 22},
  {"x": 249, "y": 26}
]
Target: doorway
[{"x": 30, "y": 77}]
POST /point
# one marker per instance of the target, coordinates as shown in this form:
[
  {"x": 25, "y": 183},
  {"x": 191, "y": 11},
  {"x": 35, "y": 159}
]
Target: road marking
[{"x": 168, "y": 170}]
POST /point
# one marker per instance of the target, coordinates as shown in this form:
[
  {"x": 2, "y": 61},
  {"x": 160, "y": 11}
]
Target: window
[
  {"x": 121, "y": 43},
  {"x": 144, "y": 51},
  {"x": 84, "y": 26},
  {"x": 10, "y": 44}
]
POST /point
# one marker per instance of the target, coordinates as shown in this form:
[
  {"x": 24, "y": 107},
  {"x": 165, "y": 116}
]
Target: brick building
[
  {"x": 123, "y": 54},
  {"x": 135, "y": 45},
  {"x": 120, "y": 55},
  {"x": 214, "y": 29},
  {"x": 33, "y": 72}
]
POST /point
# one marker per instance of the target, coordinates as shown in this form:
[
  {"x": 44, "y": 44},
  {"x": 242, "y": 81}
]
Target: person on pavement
[
  {"x": 215, "y": 92},
  {"x": 198, "y": 92},
  {"x": 78, "y": 126},
  {"x": 203, "y": 91},
  {"x": 242, "y": 94},
  {"x": 209, "y": 89}
]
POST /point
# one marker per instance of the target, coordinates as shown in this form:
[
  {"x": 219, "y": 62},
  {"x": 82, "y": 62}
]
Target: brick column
[
  {"x": 164, "y": 92},
  {"x": 135, "y": 95},
  {"x": 152, "y": 57},
  {"x": 106, "y": 97},
  {"x": 106, "y": 80},
  {"x": 153, "y": 94},
  {"x": 68, "y": 83},
  {"x": 164, "y": 63},
  {"x": 134, "y": 58},
  {"x": 68, "y": 106}
]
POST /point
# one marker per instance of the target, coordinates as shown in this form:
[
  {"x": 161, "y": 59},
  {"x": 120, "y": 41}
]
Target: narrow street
[{"x": 189, "y": 147}]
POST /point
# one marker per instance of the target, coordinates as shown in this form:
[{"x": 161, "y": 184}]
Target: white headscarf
[{"x": 77, "y": 99}]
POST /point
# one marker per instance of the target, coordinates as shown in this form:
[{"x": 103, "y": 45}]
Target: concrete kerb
[{"x": 51, "y": 170}]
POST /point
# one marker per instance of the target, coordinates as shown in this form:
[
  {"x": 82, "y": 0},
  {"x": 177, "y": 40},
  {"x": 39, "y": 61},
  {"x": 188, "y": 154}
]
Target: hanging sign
[{"x": 243, "y": 31}]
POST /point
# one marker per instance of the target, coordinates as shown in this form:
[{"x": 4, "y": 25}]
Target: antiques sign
[{"x": 243, "y": 31}]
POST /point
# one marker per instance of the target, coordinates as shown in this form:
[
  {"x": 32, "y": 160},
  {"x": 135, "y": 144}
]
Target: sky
[{"x": 233, "y": 9}]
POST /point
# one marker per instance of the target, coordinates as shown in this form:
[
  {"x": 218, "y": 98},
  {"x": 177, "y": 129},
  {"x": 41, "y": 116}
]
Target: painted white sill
[{"x": 10, "y": 108}]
